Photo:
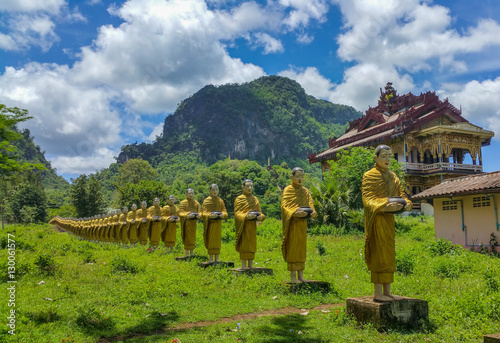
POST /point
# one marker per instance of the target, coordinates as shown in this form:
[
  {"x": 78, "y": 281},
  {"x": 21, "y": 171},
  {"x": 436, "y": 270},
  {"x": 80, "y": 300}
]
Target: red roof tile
[{"x": 482, "y": 183}]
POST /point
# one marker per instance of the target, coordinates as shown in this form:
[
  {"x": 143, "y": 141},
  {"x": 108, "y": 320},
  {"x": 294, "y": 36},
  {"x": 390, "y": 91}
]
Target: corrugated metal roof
[{"x": 463, "y": 185}]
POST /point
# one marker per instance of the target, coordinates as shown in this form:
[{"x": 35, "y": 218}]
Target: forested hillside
[{"x": 271, "y": 117}]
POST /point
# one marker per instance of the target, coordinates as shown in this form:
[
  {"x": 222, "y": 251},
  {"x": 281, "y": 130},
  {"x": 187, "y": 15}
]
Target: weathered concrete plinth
[
  {"x": 309, "y": 286},
  {"x": 493, "y": 338},
  {"x": 252, "y": 271},
  {"x": 216, "y": 264},
  {"x": 406, "y": 313},
  {"x": 189, "y": 258}
]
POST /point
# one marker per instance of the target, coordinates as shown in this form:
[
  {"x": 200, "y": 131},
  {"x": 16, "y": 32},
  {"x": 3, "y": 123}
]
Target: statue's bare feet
[
  {"x": 394, "y": 297},
  {"x": 382, "y": 298},
  {"x": 301, "y": 279},
  {"x": 294, "y": 281},
  {"x": 245, "y": 268}
]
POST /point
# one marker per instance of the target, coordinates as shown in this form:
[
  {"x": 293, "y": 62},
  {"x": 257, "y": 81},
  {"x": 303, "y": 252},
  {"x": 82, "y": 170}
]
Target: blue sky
[{"x": 97, "y": 74}]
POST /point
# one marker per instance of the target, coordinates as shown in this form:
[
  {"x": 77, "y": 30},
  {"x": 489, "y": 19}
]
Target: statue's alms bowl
[
  {"x": 257, "y": 213},
  {"x": 399, "y": 200},
  {"x": 218, "y": 213},
  {"x": 306, "y": 209},
  {"x": 174, "y": 217},
  {"x": 193, "y": 213}
]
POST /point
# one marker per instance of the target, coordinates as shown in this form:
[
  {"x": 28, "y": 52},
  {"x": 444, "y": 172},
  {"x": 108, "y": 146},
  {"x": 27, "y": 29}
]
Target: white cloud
[
  {"x": 480, "y": 102},
  {"x": 70, "y": 120},
  {"x": 303, "y": 11},
  {"x": 157, "y": 131},
  {"x": 311, "y": 80},
  {"x": 28, "y": 30},
  {"x": 99, "y": 159},
  {"x": 49, "y": 6},
  {"x": 270, "y": 44}
]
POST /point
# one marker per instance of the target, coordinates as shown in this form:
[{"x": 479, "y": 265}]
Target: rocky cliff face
[{"x": 269, "y": 117}]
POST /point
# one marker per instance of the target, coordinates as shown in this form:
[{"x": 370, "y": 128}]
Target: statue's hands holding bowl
[{"x": 392, "y": 207}]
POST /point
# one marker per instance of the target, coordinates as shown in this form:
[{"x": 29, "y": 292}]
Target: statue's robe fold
[
  {"x": 212, "y": 228},
  {"x": 155, "y": 228},
  {"x": 380, "y": 249},
  {"x": 169, "y": 234},
  {"x": 246, "y": 230},
  {"x": 188, "y": 226},
  {"x": 143, "y": 228},
  {"x": 134, "y": 225},
  {"x": 294, "y": 240}
]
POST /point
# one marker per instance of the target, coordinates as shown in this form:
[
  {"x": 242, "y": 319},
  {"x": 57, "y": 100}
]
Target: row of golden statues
[{"x": 380, "y": 187}]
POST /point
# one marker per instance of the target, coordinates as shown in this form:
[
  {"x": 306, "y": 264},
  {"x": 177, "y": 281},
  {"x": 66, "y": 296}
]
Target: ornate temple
[{"x": 429, "y": 137}]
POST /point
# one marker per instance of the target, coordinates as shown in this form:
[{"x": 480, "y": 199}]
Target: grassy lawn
[{"x": 91, "y": 292}]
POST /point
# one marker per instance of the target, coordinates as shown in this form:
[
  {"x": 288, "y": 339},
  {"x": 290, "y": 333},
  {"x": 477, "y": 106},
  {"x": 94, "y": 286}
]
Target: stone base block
[
  {"x": 216, "y": 264},
  {"x": 309, "y": 286},
  {"x": 189, "y": 258},
  {"x": 253, "y": 271},
  {"x": 406, "y": 313},
  {"x": 493, "y": 338}
]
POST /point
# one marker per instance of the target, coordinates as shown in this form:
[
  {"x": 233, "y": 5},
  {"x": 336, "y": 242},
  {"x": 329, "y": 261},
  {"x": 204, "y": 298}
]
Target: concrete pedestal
[
  {"x": 406, "y": 313},
  {"x": 252, "y": 271},
  {"x": 493, "y": 338},
  {"x": 309, "y": 286},
  {"x": 216, "y": 264},
  {"x": 189, "y": 258}
]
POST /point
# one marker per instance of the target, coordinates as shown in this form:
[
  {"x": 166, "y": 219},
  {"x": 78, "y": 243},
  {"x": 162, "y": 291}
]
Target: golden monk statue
[
  {"x": 170, "y": 213},
  {"x": 134, "y": 225},
  {"x": 214, "y": 210},
  {"x": 143, "y": 229},
  {"x": 116, "y": 226},
  {"x": 124, "y": 227},
  {"x": 189, "y": 213},
  {"x": 246, "y": 214},
  {"x": 296, "y": 206},
  {"x": 155, "y": 228},
  {"x": 379, "y": 183}
]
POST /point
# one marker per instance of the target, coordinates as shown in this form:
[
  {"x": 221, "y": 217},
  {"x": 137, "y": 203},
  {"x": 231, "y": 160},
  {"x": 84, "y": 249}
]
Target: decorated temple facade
[{"x": 429, "y": 137}]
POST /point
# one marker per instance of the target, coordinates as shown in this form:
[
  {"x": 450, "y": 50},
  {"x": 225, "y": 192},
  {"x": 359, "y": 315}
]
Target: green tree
[
  {"x": 338, "y": 196},
  {"x": 29, "y": 204},
  {"x": 144, "y": 191},
  {"x": 135, "y": 170},
  {"x": 86, "y": 196}
]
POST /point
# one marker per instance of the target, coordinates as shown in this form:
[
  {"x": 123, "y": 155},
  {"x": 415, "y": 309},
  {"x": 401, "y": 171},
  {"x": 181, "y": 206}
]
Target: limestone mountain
[{"x": 269, "y": 117}]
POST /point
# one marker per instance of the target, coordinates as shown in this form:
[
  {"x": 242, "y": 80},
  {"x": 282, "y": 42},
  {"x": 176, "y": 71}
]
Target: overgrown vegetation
[{"x": 100, "y": 291}]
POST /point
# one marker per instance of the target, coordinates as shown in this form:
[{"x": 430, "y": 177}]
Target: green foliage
[
  {"x": 270, "y": 116},
  {"x": 136, "y": 170},
  {"x": 9, "y": 161},
  {"x": 121, "y": 264},
  {"x": 444, "y": 247},
  {"x": 45, "y": 264},
  {"x": 29, "y": 205},
  {"x": 91, "y": 319},
  {"x": 405, "y": 262},
  {"x": 143, "y": 191},
  {"x": 86, "y": 196}
]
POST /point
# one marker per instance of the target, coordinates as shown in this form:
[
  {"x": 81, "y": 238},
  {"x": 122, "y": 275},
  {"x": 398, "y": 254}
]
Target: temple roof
[
  {"x": 396, "y": 115},
  {"x": 473, "y": 184}
]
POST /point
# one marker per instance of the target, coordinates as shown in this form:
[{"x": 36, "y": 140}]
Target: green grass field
[{"x": 94, "y": 293}]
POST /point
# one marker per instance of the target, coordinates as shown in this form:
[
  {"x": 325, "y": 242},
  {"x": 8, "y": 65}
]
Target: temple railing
[{"x": 443, "y": 166}]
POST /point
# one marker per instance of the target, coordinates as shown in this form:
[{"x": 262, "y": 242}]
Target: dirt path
[{"x": 238, "y": 317}]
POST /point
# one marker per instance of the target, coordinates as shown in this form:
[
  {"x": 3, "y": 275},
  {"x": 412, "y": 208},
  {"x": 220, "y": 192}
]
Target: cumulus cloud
[
  {"x": 70, "y": 119},
  {"x": 480, "y": 102},
  {"x": 270, "y": 44},
  {"x": 311, "y": 80}
]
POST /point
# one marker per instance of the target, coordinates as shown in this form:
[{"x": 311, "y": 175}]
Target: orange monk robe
[
  {"x": 134, "y": 224},
  {"x": 380, "y": 250},
  {"x": 123, "y": 228},
  {"x": 246, "y": 230},
  {"x": 104, "y": 229},
  {"x": 113, "y": 232},
  {"x": 294, "y": 241},
  {"x": 212, "y": 228},
  {"x": 143, "y": 229},
  {"x": 155, "y": 228},
  {"x": 169, "y": 234},
  {"x": 188, "y": 226}
]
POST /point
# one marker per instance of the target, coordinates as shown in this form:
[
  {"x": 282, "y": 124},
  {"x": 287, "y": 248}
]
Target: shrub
[
  {"x": 492, "y": 284},
  {"x": 320, "y": 247},
  {"x": 45, "y": 264},
  {"x": 90, "y": 318},
  {"x": 44, "y": 316},
  {"x": 121, "y": 264},
  {"x": 450, "y": 267},
  {"x": 405, "y": 262},
  {"x": 444, "y": 247}
]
